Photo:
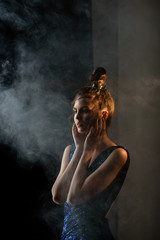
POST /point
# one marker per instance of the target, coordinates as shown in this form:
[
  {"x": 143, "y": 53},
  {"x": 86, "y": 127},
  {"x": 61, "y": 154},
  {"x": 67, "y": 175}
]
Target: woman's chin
[{"x": 81, "y": 130}]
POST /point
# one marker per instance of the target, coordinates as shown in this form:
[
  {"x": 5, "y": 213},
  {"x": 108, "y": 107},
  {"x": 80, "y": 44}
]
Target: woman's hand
[
  {"x": 95, "y": 134},
  {"x": 78, "y": 138}
]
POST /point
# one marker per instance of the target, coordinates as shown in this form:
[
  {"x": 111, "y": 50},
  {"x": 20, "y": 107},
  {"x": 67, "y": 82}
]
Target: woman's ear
[{"x": 105, "y": 114}]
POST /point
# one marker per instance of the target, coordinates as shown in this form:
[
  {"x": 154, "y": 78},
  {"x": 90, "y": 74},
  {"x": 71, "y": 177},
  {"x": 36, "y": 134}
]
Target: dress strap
[{"x": 114, "y": 147}]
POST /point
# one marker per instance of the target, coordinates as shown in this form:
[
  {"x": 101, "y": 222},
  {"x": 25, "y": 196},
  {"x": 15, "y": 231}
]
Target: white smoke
[{"x": 33, "y": 117}]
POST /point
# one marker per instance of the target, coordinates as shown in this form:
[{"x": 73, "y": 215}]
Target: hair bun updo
[{"x": 98, "y": 77}]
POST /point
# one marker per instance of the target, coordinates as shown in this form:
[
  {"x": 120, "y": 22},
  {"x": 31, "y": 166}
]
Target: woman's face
[{"x": 85, "y": 113}]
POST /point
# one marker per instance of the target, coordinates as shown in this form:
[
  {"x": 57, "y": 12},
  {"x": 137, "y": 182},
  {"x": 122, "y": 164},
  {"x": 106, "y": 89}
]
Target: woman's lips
[{"x": 79, "y": 124}]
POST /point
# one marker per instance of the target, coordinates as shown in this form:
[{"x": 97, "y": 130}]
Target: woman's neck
[{"x": 105, "y": 143}]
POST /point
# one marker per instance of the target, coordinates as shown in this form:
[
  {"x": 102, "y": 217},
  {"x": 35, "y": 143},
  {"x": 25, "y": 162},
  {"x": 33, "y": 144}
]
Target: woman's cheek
[
  {"x": 89, "y": 117},
  {"x": 91, "y": 121}
]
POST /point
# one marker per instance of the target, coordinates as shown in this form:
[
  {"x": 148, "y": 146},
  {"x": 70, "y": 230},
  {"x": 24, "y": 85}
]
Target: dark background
[{"x": 45, "y": 56}]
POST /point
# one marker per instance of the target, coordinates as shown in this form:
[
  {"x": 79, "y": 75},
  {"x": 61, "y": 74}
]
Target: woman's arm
[
  {"x": 61, "y": 186},
  {"x": 83, "y": 188}
]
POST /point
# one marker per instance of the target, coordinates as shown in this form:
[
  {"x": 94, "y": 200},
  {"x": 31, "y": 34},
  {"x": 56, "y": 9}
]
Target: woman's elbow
[
  {"x": 56, "y": 197},
  {"x": 56, "y": 200},
  {"x": 72, "y": 201}
]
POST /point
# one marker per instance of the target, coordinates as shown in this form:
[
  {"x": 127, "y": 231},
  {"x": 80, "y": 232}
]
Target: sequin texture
[{"x": 87, "y": 221}]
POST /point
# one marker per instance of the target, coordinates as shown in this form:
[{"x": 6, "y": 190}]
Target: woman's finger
[
  {"x": 73, "y": 127},
  {"x": 99, "y": 127},
  {"x": 104, "y": 125}
]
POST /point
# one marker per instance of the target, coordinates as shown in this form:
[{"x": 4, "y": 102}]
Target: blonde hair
[{"x": 102, "y": 96}]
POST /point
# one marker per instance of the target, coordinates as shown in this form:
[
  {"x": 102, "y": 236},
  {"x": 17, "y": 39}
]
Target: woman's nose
[{"x": 78, "y": 116}]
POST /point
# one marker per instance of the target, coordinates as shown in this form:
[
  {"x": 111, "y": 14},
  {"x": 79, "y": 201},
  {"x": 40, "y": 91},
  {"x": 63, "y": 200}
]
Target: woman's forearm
[
  {"x": 79, "y": 177},
  {"x": 62, "y": 184}
]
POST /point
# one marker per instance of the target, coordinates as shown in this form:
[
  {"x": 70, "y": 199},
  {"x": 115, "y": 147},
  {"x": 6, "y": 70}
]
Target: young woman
[{"x": 93, "y": 168}]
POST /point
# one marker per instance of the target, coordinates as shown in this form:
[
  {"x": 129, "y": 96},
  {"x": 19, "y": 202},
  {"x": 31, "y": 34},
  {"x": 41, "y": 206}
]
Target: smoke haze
[
  {"x": 40, "y": 53},
  {"x": 45, "y": 56}
]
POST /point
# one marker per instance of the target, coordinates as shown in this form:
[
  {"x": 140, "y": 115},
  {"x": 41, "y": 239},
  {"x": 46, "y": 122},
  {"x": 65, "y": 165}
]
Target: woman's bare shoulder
[
  {"x": 68, "y": 148},
  {"x": 66, "y": 152},
  {"x": 120, "y": 155},
  {"x": 65, "y": 158}
]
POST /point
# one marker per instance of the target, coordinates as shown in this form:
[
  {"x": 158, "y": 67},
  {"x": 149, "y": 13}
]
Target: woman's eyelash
[{"x": 85, "y": 110}]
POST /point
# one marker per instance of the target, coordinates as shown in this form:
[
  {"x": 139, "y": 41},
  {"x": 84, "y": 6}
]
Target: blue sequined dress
[{"x": 87, "y": 221}]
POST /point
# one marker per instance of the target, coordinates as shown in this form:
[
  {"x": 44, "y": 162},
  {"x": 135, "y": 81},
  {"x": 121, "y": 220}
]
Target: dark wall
[
  {"x": 135, "y": 83},
  {"x": 139, "y": 116}
]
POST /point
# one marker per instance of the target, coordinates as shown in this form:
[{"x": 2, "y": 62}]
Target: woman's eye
[
  {"x": 86, "y": 110},
  {"x": 83, "y": 110}
]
